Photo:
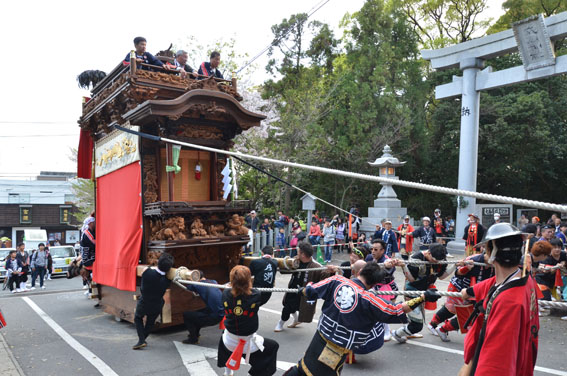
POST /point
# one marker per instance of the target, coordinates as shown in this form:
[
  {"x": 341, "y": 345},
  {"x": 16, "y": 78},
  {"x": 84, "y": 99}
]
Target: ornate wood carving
[
  {"x": 199, "y": 131},
  {"x": 150, "y": 179}
]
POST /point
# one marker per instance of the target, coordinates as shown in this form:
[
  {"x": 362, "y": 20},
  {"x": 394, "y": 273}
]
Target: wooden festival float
[{"x": 145, "y": 203}]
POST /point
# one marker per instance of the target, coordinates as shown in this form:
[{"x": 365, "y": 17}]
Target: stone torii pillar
[{"x": 533, "y": 38}]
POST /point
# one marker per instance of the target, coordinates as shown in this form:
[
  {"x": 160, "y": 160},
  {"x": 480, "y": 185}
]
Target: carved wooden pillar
[{"x": 214, "y": 177}]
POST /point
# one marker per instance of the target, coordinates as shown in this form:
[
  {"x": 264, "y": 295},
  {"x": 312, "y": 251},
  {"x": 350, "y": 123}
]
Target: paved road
[{"x": 58, "y": 331}]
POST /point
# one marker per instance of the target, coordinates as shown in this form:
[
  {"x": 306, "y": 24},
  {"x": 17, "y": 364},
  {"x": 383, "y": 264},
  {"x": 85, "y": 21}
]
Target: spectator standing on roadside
[
  {"x": 265, "y": 227},
  {"x": 523, "y": 221},
  {"x": 252, "y": 221},
  {"x": 38, "y": 263},
  {"x": 329, "y": 239},
  {"x": 24, "y": 258},
  {"x": 49, "y": 267},
  {"x": 340, "y": 234},
  {"x": 280, "y": 242}
]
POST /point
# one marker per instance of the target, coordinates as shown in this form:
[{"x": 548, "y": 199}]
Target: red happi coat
[{"x": 511, "y": 337}]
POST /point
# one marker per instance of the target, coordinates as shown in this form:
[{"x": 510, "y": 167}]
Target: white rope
[
  {"x": 182, "y": 282},
  {"x": 402, "y": 183}
]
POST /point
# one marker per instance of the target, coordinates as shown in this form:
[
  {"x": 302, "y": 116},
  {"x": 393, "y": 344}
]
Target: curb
[{"x": 5, "y": 349}]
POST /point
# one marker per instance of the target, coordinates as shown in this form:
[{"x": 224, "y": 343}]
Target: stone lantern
[
  {"x": 387, "y": 165},
  {"x": 387, "y": 204}
]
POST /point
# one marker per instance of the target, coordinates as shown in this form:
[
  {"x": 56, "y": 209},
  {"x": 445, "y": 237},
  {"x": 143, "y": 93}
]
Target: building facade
[{"x": 44, "y": 203}]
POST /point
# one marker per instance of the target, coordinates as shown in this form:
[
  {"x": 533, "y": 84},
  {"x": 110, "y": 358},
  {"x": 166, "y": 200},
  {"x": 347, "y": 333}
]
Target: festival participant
[
  {"x": 536, "y": 221},
  {"x": 211, "y": 315},
  {"x": 153, "y": 286},
  {"x": 439, "y": 224},
  {"x": 378, "y": 232},
  {"x": 241, "y": 304},
  {"x": 546, "y": 278},
  {"x": 181, "y": 65},
  {"x": 13, "y": 271},
  {"x": 420, "y": 278},
  {"x": 24, "y": 258},
  {"x": 264, "y": 272},
  {"x": 142, "y": 56},
  {"x": 252, "y": 221},
  {"x": 496, "y": 218},
  {"x": 425, "y": 233},
  {"x": 88, "y": 250},
  {"x": 210, "y": 68},
  {"x": 547, "y": 233},
  {"x": 355, "y": 254},
  {"x": 405, "y": 239},
  {"x": 348, "y": 316},
  {"x": 389, "y": 237},
  {"x": 474, "y": 233},
  {"x": 340, "y": 235},
  {"x": 466, "y": 275},
  {"x": 503, "y": 339},
  {"x": 293, "y": 303}
]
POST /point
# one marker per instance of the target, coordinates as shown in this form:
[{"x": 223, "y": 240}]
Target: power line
[
  {"x": 40, "y": 135},
  {"x": 36, "y": 122},
  {"x": 263, "y": 51}
]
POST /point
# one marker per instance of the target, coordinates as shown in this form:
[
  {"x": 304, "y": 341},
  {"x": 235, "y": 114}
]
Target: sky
[{"x": 46, "y": 44}]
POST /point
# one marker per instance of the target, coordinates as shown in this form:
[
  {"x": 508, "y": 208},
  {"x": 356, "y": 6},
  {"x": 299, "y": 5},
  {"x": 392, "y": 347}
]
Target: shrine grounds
[{"x": 54, "y": 332}]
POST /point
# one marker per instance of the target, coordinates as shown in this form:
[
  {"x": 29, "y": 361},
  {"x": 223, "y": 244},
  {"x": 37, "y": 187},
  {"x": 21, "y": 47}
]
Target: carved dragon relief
[{"x": 198, "y": 131}]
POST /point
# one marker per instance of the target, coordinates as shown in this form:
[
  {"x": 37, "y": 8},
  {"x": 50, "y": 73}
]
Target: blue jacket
[
  {"x": 350, "y": 313},
  {"x": 280, "y": 239},
  {"x": 148, "y": 59},
  {"x": 206, "y": 70},
  {"x": 14, "y": 265},
  {"x": 211, "y": 296},
  {"x": 389, "y": 237}
]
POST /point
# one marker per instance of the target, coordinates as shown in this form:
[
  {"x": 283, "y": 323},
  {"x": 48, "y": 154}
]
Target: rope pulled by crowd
[
  {"x": 181, "y": 283},
  {"x": 399, "y": 261}
]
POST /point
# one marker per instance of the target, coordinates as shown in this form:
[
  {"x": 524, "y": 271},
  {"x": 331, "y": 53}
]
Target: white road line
[
  {"x": 101, "y": 366},
  {"x": 195, "y": 359},
  {"x": 446, "y": 349}
]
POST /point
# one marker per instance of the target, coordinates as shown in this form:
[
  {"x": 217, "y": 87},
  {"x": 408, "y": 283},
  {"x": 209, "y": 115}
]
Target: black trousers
[
  {"x": 263, "y": 363},
  {"x": 14, "y": 279},
  {"x": 151, "y": 314},
  {"x": 311, "y": 362},
  {"x": 290, "y": 305},
  {"x": 195, "y": 320}
]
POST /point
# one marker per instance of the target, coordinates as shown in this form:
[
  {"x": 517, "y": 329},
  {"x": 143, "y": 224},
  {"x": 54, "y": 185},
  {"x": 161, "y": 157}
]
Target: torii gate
[{"x": 533, "y": 38}]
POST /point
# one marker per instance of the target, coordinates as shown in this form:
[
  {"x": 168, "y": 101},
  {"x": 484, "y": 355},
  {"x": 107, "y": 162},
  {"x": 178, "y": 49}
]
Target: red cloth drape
[
  {"x": 118, "y": 227},
  {"x": 85, "y": 155}
]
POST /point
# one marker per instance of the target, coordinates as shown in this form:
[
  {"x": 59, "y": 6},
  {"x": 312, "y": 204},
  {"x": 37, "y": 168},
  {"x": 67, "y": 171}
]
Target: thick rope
[
  {"x": 348, "y": 174},
  {"x": 409, "y": 262},
  {"x": 181, "y": 283},
  {"x": 402, "y": 183}
]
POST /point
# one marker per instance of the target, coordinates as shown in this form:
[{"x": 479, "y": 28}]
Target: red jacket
[
  {"x": 511, "y": 338},
  {"x": 409, "y": 237},
  {"x": 315, "y": 231}
]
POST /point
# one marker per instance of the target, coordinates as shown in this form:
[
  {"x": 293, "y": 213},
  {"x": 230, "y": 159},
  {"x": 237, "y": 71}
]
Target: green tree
[{"x": 84, "y": 191}]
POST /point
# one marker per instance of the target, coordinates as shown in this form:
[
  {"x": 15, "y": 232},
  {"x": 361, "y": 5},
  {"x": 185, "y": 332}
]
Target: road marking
[
  {"x": 445, "y": 349},
  {"x": 194, "y": 358},
  {"x": 101, "y": 366}
]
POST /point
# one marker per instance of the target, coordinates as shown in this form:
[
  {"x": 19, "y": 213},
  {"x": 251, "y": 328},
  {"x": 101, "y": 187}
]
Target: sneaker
[
  {"x": 398, "y": 338},
  {"x": 432, "y": 330},
  {"x": 85, "y": 287},
  {"x": 279, "y": 327},
  {"x": 49, "y": 278},
  {"x": 43, "y": 287},
  {"x": 450, "y": 255},
  {"x": 18, "y": 290},
  {"x": 86, "y": 292},
  {"x": 191, "y": 341},
  {"x": 139, "y": 345},
  {"x": 228, "y": 372},
  {"x": 13, "y": 291},
  {"x": 443, "y": 335},
  {"x": 387, "y": 336},
  {"x": 33, "y": 288},
  {"x": 564, "y": 318}
]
